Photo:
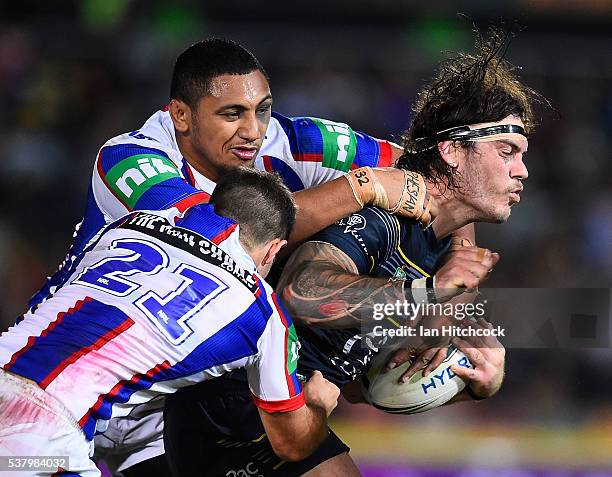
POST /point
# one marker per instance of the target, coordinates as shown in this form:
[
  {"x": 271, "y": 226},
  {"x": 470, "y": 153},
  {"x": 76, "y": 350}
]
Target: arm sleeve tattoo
[{"x": 320, "y": 285}]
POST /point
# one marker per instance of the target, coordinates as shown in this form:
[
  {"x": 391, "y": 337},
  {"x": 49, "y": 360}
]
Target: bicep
[
  {"x": 295, "y": 435},
  {"x": 311, "y": 260},
  {"x": 365, "y": 237},
  {"x": 314, "y": 252}
]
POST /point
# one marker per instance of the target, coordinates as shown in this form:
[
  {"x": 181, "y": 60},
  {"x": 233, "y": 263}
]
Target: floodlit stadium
[{"x": 74, "y": 74}]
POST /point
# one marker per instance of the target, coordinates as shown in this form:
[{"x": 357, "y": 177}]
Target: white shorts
[
  {"x": 132, "y": 439},
  {"x": 33, "y": 424}
]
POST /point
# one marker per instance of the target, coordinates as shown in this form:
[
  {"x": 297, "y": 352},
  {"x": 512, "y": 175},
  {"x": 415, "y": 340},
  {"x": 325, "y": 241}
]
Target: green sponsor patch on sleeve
[
  {"x": 293, "y": 348},
  {"x": 339, "y": 144},
  {"x": 134, "y": 175}
]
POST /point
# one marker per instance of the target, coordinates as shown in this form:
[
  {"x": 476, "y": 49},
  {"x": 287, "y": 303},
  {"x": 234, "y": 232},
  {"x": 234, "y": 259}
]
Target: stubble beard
[{"x": 475, "y": 188}]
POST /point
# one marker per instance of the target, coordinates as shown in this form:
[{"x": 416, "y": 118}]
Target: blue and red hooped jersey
[
  {"x": 144, "y": 170},
  {"x": 152, "y": 307}
]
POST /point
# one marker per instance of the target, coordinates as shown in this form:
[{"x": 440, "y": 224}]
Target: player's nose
[
  {"x": 249, "y": 128},
  {"x": 519, "y": 169}
]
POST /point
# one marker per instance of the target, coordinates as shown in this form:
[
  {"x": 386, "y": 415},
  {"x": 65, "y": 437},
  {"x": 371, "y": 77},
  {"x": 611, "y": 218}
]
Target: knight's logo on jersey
[
  {"x": 293, "y": 349},
  {"x": 352, "y": 223}
]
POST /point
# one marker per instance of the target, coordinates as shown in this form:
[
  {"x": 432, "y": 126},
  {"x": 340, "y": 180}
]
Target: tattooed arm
[
  {"x": 327, "y": 280},
  {"x": 320, "y": 283}
]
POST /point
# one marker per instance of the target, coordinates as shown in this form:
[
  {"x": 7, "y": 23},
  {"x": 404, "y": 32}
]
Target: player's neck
[
  {"x": 191, "y": 156},
  {"x": 452, "y": 212}
]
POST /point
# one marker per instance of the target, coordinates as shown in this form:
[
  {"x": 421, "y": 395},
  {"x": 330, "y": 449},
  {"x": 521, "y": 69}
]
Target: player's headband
[{"x": 483, "y": 132}]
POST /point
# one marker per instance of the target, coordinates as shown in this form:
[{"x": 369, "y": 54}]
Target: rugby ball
[{"x": 419, "y": 393}]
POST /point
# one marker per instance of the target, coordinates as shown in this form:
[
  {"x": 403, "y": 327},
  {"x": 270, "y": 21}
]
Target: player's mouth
[
  {"x": 244, "y": 153},
  {"x": 515, "y": 195}
]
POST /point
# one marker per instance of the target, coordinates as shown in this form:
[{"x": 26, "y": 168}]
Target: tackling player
[
  {"x": 219, "y": 118},
  {"x": 467, "y": 138},
  {"x": 151, "y": 308}
]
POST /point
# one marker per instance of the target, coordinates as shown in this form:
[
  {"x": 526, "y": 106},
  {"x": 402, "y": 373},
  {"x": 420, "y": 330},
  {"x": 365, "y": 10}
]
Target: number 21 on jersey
[{"x": 170, "y": 313}]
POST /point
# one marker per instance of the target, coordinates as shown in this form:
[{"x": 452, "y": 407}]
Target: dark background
[{"x": 74, "y": 73}]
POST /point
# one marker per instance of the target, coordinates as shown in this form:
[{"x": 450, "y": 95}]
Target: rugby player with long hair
[{"x": 467, "y": 138}]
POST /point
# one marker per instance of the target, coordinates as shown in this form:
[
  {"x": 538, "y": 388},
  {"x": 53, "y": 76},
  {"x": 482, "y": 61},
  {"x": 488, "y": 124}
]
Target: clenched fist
[
  {"x": 319, "y": 392},
  {"x": 465, "y": 269}
]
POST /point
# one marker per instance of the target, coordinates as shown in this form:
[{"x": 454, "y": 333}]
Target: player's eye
[
  {"x": 263, "y": 110},
  {"x": 231, "y": 114}
]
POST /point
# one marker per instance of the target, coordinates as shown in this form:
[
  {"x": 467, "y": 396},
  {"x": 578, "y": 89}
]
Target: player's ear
[
  {"x": 180, "y": 113},
  {"x": 272, "y": 248},
  {"x": 449, "y": 153}
]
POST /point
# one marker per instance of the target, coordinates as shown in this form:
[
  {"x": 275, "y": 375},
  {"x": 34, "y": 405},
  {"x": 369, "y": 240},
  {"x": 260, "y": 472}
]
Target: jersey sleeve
[
  {"x": 272, "y": 374},
  {"x": 308, "y": 151},
  {"x": 130, "y": 177},
  {"x": 368, "y": 237}
]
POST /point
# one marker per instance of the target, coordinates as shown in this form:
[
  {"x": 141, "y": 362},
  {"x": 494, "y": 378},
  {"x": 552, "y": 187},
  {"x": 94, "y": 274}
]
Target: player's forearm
[
  {"x": 310, "y": 434},
  {"x": 391, "y": 189},
  {"x": 320, "y": 286},
  {"x": 319, "y": 207},
  {"x": 297, "y": 434}
]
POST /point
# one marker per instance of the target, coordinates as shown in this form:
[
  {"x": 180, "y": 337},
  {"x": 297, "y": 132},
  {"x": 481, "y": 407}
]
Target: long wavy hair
[{"x": 466, "y": 89}]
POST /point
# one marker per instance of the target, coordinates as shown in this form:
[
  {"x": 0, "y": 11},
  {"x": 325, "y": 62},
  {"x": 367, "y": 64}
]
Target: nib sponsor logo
[
  {"x": 339, "y": 144},
  {"x": 147, "y": 168},
  {"x": 133, "y": 176}
]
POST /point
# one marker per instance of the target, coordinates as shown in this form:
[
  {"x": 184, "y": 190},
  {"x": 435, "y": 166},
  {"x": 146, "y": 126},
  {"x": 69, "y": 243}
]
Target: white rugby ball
[{"x": 419, "y": 393}]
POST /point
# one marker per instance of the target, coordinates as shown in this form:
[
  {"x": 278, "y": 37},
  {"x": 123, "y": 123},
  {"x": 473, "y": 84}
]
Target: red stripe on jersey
[
  {"x": 102, "y": 175},
  {"x": 221, "y": 236},
  {"x": 165, "y": 108},
  {"x": 385, "y": 158},
  {"x": 259, "y": 287},
  {"x": 190, "y": 178},
  {"x": 286, "y": 405},
  {"x": 32, "y": 339},
  {"x": 82, "y": 352},
  {"x": 197, "y": 198},
  {"x": 158, "y": 368},
  {"x": 267, "y": 163},
  {"x": 292, "y": 391},
  {"x": 308, "y": 157}
]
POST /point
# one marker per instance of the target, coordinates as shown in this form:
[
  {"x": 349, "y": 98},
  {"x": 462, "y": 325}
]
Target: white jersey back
[{"x": 151, "y": 308}]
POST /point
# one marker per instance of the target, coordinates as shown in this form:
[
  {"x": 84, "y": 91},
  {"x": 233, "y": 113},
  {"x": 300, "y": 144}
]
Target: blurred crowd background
[{"x": 74, "y": 73}]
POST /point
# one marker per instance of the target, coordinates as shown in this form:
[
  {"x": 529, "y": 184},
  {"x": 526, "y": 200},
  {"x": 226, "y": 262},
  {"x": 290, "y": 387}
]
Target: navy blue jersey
[{"x": 380, "y": 245}]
